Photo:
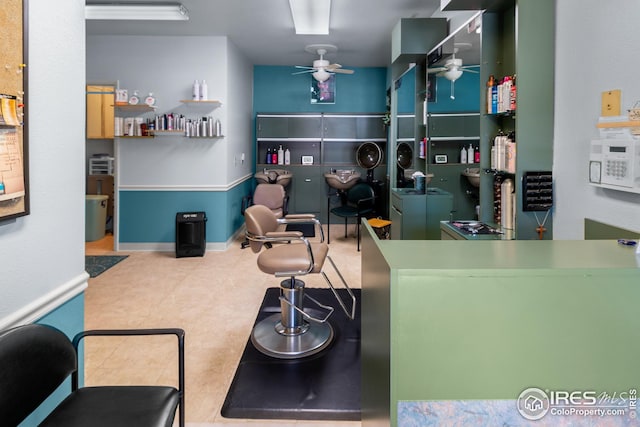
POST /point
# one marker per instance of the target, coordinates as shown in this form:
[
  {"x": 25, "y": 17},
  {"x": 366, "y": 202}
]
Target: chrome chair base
[
  {"x": 266, "y": 338},
  {"x": 288, "y": 334}
]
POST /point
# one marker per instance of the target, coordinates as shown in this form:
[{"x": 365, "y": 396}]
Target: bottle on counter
[
  {"x": 268, "y": 160},
  {"x": 470, "y": 154},
  {"x": 476, "y": 158},
  {"x": 280, "y": 156},
  {"x": 463, "y": 155},
  {"x": 274, "y": 156},
  {"x": 287, "y": 157}
]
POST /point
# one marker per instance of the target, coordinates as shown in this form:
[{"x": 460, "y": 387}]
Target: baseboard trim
[
  {"x": 171, "y": 246},
  {"x": 47, "y": 303}
]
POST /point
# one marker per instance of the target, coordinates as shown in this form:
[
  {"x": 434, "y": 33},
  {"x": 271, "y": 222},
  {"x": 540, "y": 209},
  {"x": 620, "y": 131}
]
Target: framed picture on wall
[
  {"x": 431, "y": 88},
  {"x": 323, "y": 92},
  {"x": 14, "y": 147}
]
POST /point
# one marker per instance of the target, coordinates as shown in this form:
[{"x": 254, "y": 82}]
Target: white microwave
[{"x": 615, "y": 164}]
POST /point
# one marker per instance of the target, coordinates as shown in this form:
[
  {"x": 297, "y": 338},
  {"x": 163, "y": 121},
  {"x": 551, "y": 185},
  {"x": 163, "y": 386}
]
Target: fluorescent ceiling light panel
[
  {"x": 137, "y": 12},
  {"x": 311, "y": 16}
]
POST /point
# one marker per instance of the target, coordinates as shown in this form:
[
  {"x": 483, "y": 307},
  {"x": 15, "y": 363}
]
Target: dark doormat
[
  {"x": 308, "y": 230},
  {"x": 325, "y": 386},
  {"x": 98, "y": 264}
]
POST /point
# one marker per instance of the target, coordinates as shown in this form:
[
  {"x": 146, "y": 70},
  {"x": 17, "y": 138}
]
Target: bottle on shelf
[
  {"x": 280, "y": 156},
  {"x": 287, "y": 157},
  {"x": 196, "y": 90},
  {"x": 476, "y": 158},
  {"x": 204, "y": 91},
  {"x": 490, "y": 83},
  {"x": 268, "y": 160},
  {"x": 512, "y": 94},
  {"x": 218, "y": 128},
  {"x": 470, "y": 154},
  {"x": 274, "y": 156},
  {"x": 463, "y": 155}
]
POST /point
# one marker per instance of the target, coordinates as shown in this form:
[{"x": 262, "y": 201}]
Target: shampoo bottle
[
  {"x": 470, "y": 154},
  {"x": 476, "y": 158},
  {"x": 287, "y": 157},
  {"x": 204, "y": 91},
  {"x": 280, "y": 156},
  {"x": 274, "y": 156},
  {"x": 196, "y": 90},
  {"x": 268, "y": 156},
  {"x": 463, "y": 155}
]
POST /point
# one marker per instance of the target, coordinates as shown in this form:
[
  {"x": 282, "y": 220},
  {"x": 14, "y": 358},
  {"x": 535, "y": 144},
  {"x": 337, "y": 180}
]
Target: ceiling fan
[
  {"x": 452, "y": 70},
  {"x": 322, "y": 69}
]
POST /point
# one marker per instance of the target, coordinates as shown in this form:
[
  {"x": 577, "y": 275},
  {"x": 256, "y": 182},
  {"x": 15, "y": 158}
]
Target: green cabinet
[{"x": 306, "y": 190}]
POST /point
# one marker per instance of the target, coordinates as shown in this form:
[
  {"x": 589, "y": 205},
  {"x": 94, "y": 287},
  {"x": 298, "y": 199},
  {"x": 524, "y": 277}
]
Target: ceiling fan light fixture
[
  {"x": 136, "y": 11},
  {"x": 311, "y": 16},
  {"x": 321, "y": 75},
  {"x": 452, "y": 74}
]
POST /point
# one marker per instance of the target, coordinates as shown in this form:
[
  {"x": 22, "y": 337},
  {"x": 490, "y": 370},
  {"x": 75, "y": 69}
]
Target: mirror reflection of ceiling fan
[
  {"x": 452, "y": 70},
  {"x": 322, "y": 69}
]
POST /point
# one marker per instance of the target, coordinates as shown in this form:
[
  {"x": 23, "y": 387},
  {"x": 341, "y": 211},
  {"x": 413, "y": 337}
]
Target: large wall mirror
[{"x": 454, "y": 73}]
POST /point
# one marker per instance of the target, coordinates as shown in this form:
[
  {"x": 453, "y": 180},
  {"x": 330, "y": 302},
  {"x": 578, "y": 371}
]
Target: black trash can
[{"x": 191, "y": 234}]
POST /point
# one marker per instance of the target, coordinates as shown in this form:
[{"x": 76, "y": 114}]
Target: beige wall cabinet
[{"x": 100, "y": 101}]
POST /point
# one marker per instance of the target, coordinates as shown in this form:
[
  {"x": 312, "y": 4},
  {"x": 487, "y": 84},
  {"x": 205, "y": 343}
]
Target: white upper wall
[
  {"x": 239, "y": 133},
  {"x": 596, "y": 50},
  {"x": 167, "y": 66},
  {"x": 43, "y": 253}
]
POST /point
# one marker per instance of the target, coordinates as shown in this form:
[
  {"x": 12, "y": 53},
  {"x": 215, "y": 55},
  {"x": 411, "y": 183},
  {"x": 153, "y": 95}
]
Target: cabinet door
[
  {"x": 100, "y": 112},
  {"x": 308, "y": 190},
  {"x": 406, "y": 126},
  {"x": 370, "y": 127},
  {"x": 272, "y": 127},
  {"x": 339, "y": 127},
  {"x": 454, "y": 125},
  {"x": 308, "y": 126}
]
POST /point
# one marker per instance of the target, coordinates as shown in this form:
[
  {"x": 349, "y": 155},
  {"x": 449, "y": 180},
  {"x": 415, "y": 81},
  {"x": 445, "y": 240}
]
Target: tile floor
[{"x": 214, "y": 298}]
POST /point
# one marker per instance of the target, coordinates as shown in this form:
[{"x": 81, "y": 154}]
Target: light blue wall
[{"x": 407, "y": 92}]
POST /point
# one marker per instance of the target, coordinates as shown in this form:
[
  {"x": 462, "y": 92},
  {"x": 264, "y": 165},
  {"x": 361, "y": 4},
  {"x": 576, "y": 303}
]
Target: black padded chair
[
  {"x": 358, "y": 202},
  {"x": 36, "y": 359}
]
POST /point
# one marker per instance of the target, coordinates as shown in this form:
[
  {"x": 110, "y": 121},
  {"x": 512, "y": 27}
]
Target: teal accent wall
[
  {"x": 69, "y": 318},
  {"x": 276, "y": 90},
  {"x": 467, "y": 95},
  {"x": 151, "y": 215},
  {"x": 406, "y": 88}
]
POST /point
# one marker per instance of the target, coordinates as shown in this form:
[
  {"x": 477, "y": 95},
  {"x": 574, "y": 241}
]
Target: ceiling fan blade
[
  {"x": 467, "y": 70},
  {"x": 332, "y": 67},
  {"x": 304, "y": 72},
  {"x": 341, "y": 71},
  {"x": 436, "y": 70},
  {"x": 305, "y": 67}
]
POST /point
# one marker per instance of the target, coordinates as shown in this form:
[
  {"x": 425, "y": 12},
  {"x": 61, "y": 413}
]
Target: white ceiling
[{"x": 263, "y": 29}]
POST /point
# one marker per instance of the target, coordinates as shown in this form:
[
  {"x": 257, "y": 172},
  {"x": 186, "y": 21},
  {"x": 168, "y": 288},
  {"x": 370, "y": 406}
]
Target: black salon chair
[
  {"x": 292, "y": 333},
  {"x": 358, "y": 202},
  {"x": 36, "y": 359}
]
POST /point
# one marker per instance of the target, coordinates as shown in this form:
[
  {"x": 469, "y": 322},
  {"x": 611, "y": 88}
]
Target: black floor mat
[
  {"x": 308, "y": 230},
  {"x": 325, "y": 386}
]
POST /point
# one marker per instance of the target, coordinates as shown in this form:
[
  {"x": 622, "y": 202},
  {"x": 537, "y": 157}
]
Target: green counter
[{"x": 459, "y": 320}]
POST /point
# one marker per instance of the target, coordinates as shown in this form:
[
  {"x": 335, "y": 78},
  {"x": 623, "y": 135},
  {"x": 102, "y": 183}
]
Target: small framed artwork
[
  {"x": 323, "y": 92},
  {"x": 431, "y": 88}
]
